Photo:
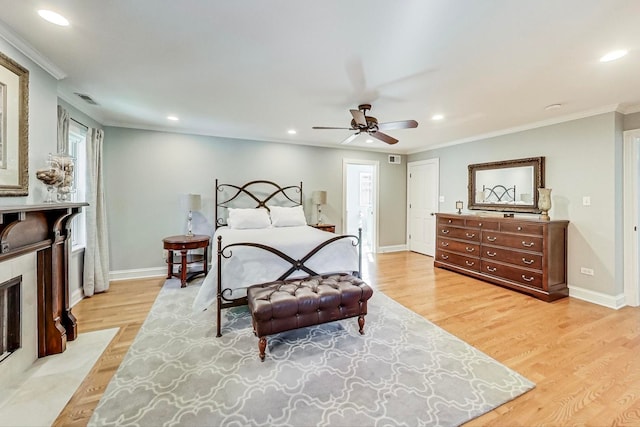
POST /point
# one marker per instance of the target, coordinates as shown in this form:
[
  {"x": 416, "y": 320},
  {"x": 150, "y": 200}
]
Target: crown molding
[{"x": 30, "y": 52}]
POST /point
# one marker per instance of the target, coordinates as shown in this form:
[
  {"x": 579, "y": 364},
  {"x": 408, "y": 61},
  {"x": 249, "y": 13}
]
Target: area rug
[{"x": 403, "y": 371}]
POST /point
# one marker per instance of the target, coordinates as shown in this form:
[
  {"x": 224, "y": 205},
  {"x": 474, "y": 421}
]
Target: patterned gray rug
[{"x": 403, "y": 371}]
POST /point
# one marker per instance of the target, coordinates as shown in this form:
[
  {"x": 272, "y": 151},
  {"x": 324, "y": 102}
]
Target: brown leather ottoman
[{"x": 295, "y": 303}]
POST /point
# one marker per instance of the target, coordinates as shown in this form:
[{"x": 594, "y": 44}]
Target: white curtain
[
  {"x": 96, "y": 253},
  {"x": 63, "y": 130}
]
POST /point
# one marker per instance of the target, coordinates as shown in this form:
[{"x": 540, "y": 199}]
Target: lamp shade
[
  {"x": 195, "y": 202},
  {"x": 319, "y": 197}
]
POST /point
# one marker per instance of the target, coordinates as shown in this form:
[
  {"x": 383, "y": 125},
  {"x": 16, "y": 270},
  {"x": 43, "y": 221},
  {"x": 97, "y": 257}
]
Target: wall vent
[
  {"x": 86, "y": 98},
  {"x": 395, "y": 159}
]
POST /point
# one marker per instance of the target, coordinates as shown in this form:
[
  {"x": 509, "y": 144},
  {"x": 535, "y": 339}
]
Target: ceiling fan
[{"x": 363, "y": 123}]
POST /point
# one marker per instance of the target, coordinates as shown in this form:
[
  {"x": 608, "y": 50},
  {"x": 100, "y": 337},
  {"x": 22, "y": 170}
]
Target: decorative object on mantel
[
  {"x": 58, "y": 177},
  {"x": 544, "y": 202},
  {"x": 195, "y": 204},
  {"x": 459, "y": 206},
  {"x": 319, "y": 198}
]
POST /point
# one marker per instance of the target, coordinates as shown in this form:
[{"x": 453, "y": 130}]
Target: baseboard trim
[
  {"x": 76, "y": 297},
  {"x": 140, "y": 273},
  {"x": 393, "y": 248},
  {"x": 611, "y": 301}
]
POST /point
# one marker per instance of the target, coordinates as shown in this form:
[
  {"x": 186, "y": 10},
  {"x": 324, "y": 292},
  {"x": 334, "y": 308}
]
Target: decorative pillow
[
  {"x": 248, "y": 218},
  {"x": 287, "y": 216}
]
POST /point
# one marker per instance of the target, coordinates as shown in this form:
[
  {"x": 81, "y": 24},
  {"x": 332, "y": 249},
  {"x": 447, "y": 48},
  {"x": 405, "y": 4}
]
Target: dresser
[{"x": 527, "y": 255}]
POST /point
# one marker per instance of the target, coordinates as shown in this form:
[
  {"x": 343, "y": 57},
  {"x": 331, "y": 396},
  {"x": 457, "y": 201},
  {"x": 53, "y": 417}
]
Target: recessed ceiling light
[
  {"x": 553, "y": 107},
  {"x": 173, "y": 118},
  {"x": 292, "y": 132},
  {"x": 437, "y": 117},
  {"x": 53, "y": 17},
  {"x": 369, "y": 141},
  {"x": 613, "y": 55}
]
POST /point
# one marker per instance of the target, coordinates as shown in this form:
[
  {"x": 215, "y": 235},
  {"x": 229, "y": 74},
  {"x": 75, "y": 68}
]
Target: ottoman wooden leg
[
  {"x": 262, "y": 345},
  {"x": 361, "y": 323}
]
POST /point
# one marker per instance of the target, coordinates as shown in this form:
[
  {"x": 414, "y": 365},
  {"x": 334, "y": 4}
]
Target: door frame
[
  {"x": 631, "y": 151},
  {"x": 376, "y": 194},
  {"x": 436, "y": 162}
]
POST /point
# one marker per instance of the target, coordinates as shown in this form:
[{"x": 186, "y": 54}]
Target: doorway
[
  {"x": 422, "y": 205},
  {"x": 360, "y": 189},
  {"x": 631, "y": 214}
]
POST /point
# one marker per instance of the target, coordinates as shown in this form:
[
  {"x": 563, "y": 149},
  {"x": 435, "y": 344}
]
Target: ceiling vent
[
  {"x": 395, "y": 159},
  {"x": 86, "y": 98}
]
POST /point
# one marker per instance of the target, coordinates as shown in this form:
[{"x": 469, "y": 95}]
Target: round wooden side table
[{"x": 184, "y": 244}]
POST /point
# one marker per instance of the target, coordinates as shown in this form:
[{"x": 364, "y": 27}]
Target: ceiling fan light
[{"x": 437, "y": 117}]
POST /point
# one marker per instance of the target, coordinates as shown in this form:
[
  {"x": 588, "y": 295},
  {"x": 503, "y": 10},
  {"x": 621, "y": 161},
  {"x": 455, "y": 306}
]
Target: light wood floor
[{"x": 584, "y": 358}]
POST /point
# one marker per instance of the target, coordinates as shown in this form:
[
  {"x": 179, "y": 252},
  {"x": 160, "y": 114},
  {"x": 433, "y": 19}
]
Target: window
[{"x": 78, "y": 150}]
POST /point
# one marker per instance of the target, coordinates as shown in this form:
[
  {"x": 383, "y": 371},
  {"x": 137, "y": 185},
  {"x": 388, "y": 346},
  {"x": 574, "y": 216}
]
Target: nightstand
[
  {"x": 184, "y": 244},
  {"x": 325, "y": 227}
]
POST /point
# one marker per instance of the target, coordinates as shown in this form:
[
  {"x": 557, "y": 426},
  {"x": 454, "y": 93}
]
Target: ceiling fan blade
[
  {"x": 325, "y": 127},
  {"x": 404, "y": 124},
  {"x": 384, "y": 137},
  {"x": 359, "y": 118},
  {"x": 350, "y": 138}
]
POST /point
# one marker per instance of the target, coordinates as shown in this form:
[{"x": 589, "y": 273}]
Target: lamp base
[{"x": 545, "y": 216}]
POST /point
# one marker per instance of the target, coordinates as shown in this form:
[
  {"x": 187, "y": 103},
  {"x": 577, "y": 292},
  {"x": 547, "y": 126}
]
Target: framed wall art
[{"x": 14, "y": 128}]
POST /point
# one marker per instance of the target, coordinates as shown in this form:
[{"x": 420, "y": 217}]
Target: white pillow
[
  {"x": 287, "y": 216},
  {"x": 248, "y": 218}
]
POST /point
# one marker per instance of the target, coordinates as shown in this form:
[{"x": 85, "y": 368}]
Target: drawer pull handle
[
  {"x": 468, "y": 249},
  {"x": 445, "y": 256},
  {"x": 445, "y": 231},
  {"x": 527, "y": 261},
  {"x": 491, "y": 253},
  {"x": 527, "y": 245},
  {"x": 527, "y": 279},
  {"x": 470, "y": 236},
  {"x": 491, "y": 269},
  {"x": 519, "y": 228},
  {"x": 480, "y": 224},
  {"x": 469, "y": 263},
  {"x": 445, "y": 244},
  {"x": 449, "y": 221},
  {"x": 492, "y": 239}
]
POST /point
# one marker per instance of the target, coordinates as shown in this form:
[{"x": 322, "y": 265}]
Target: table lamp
[
  {"x": 319, "y": 198},
  {"x": 195, "y": 203}
]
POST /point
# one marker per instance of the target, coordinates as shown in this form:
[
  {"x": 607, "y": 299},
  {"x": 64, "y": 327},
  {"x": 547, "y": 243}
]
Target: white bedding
[{"x": 249, "y": 266}]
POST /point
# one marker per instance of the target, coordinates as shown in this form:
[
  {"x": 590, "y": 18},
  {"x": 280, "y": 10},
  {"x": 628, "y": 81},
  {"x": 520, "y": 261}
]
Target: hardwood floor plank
[{"x": 584, "y": 358}]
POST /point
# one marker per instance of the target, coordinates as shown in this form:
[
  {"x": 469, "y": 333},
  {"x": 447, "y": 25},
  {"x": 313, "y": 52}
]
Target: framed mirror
[
  {"x": 14, "y": 128},
  {"x": 507, "y": 186}
]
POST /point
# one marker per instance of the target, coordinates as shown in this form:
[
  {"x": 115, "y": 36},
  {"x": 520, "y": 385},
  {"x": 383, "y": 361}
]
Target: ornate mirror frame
[
  {"x": 505, "y": 195},
  {"x": 14, "y": 128}
]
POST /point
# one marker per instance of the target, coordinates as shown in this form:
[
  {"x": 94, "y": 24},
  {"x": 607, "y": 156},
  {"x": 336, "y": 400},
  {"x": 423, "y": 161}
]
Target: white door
[
  {"x": 360, "y": 179},
  {"x": 422, "y": 205},
  {"x": 631, "y": 217}
]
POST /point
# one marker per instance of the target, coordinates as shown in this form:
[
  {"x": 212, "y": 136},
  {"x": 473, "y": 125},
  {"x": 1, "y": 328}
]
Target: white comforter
[{"x": 248, "y": 266}]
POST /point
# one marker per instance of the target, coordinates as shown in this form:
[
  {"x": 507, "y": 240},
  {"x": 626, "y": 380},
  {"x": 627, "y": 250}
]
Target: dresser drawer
[
  {"x": 515, "y": 274},
  {"x": 519, "y": 227},
  {"x": 467, "y": 248},
  {"x": 529, "y": 243},
  {"x": 467, "y": 262},
  {"x": 450, "y": 220},
  {"x": 459, "y": 233},
  {"x": 509, "y": 256},
  {"x": 485, "y": 225}
]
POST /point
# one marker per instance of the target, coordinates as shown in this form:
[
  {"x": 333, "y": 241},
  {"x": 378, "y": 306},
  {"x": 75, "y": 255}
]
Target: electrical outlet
[
  {"x": 586, "y": 201},
  {"x": 587, "y": 271},
  {"x": 441, "y": 199}
]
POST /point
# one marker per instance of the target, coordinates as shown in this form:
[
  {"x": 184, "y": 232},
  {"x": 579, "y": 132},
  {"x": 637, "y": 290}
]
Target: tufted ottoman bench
[{"x": 295, "y": 303}]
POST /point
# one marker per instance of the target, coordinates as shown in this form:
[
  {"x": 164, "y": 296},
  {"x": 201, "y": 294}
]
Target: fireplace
[
  {"x": 35, "y": 315},
  {"x": 10, "y": 314}
]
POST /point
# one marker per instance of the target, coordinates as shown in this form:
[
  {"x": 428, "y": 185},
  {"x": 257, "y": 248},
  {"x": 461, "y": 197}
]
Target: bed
[{"x": 261, "y": 236}]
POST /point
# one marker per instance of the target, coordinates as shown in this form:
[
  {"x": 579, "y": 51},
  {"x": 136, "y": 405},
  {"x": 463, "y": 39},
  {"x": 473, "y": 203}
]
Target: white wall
[
  {"x": 581, "y": 159},
  {"x": 148, "y": 175}
]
